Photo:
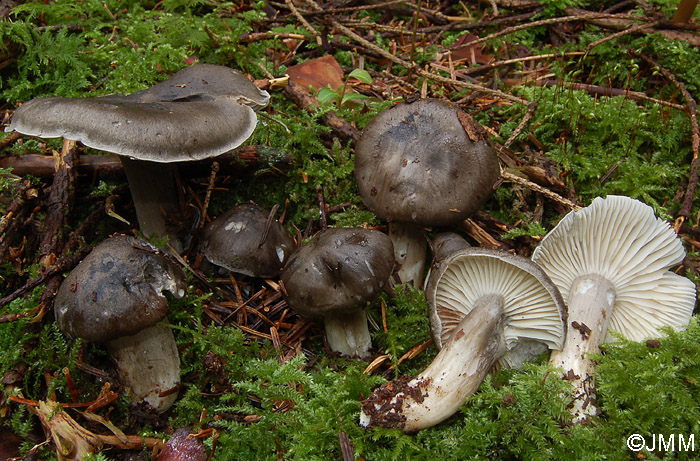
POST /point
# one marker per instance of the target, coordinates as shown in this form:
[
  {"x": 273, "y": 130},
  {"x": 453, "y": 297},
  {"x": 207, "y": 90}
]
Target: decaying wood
[
  {"x": 59, "y": 204},
  {"x": 109, "y": 164}
]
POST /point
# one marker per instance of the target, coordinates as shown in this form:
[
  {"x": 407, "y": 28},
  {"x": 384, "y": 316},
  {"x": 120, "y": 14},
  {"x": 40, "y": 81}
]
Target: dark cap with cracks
[
  {"x": 117, "y": 290},
  {"x": 339, "y": 270}
]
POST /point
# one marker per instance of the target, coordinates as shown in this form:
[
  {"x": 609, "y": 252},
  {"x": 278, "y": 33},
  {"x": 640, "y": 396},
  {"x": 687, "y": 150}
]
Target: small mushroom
[
  {"x": 246, "y": 239},
  {"x": 181, "y": 446},
  {"x": 334, "y": 276},
  {"x": 116, "y": 295},
  {"x": 487, "y": 307},
  {"x": 610, "y": 261},
  {"x": 201, "y": 112},
  {"x": 423, "y": 164}
]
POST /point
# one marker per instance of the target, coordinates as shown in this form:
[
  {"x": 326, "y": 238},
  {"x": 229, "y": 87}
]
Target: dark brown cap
[
  {"x": 339, "y": 270},
  {"x": 117, "y": 290},
  {"x": 245, "y": 239},
  {"x": 419, "y": 163}
]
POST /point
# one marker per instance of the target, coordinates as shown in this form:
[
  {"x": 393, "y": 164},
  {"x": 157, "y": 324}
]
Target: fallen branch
[
  {"x": 540, "y": 190},
  {"x": 108, "y": 164},
  {"x": 60, "y": 202}
]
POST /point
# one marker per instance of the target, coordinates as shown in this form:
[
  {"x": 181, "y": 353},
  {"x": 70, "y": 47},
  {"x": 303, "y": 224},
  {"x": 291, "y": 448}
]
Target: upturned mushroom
[
  {"x": 248, "y": 240},
  {"x": 201, "y": 112},
  {"x": 117, "y": 296},
  {"x": 487, "y": 307},
  {"x": 610, "y": 261},
  {"x": 419, "y": 165},
  {"x": 334, "y": 276}
]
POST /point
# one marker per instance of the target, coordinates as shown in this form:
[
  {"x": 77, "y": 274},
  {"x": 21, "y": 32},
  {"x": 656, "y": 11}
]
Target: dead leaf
[{"x": 318, "y": 73}]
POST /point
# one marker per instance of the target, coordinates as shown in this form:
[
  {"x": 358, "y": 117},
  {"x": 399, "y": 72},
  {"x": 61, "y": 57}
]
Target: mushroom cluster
[
  {"x": 202, "y": 111},
  {"x": 610, "y": 261}
]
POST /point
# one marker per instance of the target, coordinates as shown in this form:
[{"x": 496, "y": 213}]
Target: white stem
[
  {"x": 455, "y": 374},
  {"x": 591, "y": 301},
  {"x": 148, "y": 364},
  {"x": 348, "y": 333},
  {"x": 410, "y": 250}
]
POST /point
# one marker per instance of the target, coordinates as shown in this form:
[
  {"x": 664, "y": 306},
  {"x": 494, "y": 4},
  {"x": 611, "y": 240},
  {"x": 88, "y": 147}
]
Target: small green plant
[{"x": 341, "y": 96}]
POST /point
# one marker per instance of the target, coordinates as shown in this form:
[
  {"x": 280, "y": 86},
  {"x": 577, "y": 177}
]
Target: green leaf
[
  {"x": 327, "y": 95},
  {"x": 351, "y": 96},
  {"x": 361, "y": 75}
]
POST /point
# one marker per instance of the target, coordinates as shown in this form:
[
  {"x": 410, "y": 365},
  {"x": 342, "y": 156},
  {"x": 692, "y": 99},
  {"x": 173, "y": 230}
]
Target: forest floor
[{"x": 581, "y": 99}]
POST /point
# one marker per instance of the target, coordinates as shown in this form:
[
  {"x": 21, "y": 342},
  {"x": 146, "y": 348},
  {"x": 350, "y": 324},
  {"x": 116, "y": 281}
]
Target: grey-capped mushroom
[
  {"x": 610, "y": 261},
  {"x": 246, "y": 239},
  {"x": 201, "y": 112},
  {"x": 334, "y": 276},
  {"x": 487, "y": 307},
  {"x": 116, "y": 295},
  {"x": 419, "y": 165}
]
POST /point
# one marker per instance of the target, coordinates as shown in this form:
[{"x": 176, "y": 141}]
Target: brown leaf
[{"x": 319, "y": 73}]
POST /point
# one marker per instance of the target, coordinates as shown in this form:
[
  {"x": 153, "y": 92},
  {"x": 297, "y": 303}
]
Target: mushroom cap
[
  {"x": 533, "y": 307},
  {"x": 201, "y": 112},
  {"x": 620, "y": 239},
  {"x": 417, "y": 163},
  {"x": 203, "y": 82},
  {"x": 117, "y": 290},
  {"x": 157, "y": 132},
  {"x": 338, "y": 271},
  {"x": 234, "y": 240}
]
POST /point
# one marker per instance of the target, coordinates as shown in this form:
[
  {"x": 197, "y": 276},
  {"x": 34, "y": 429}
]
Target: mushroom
[
  {"x": 202, "y": 111},
  {"x": 246, "y": 239},
  {"x": 423, "y": 164},
  {"x": 487, "y": 308},
  {"x": 610, "y": 261},
  {"x": 116, "y": 295},
  {"x": 334, "y": 276},
  {"x": 181, "y": 446}
]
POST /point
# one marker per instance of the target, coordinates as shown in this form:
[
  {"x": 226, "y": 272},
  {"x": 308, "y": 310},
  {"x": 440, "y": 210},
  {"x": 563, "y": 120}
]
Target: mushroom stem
[
  {"x": 410, "y": 250},
  {"x": 591, "y": 301},
  {"x": 148, "y": 364},
  {"x": 154, "y": 192},
  {"x": 348, "y": 333},
  {"x": 455, "y": 374}
]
